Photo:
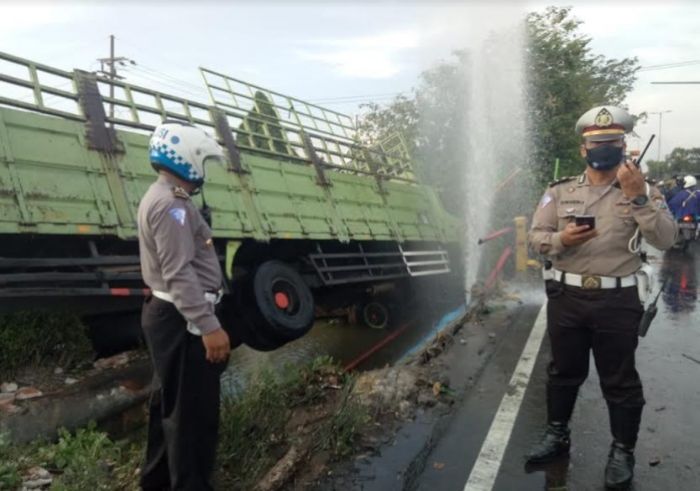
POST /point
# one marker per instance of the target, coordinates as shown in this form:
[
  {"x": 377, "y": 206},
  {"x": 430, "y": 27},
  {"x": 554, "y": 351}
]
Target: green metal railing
[{"x": 261, "y": 121}]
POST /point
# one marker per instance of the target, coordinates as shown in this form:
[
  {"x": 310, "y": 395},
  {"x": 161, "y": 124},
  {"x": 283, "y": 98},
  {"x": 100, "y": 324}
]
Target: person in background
[{"x": 687, "y": 201}]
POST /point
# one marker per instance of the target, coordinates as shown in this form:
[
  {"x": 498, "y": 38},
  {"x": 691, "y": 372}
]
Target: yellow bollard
[{"x": 521, "y": 258}]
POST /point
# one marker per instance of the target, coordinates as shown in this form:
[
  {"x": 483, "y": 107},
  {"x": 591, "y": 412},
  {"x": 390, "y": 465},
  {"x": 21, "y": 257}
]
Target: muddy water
[{"x": 342, "y": 341}]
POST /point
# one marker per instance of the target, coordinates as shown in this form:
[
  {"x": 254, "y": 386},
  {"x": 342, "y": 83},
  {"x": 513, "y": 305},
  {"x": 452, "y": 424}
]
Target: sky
[{"x": 339, "y": 54}]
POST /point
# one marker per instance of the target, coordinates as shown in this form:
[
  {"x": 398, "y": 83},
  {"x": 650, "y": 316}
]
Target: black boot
[
  {"x": 554, "y": 442},
  {"x": 620, "y": 469},
  {"x": 624, "y": 425}
]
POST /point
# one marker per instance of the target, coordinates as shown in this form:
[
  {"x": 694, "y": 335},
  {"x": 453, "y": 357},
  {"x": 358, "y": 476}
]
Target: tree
[
  {"x": 681, "y": 161},
  {"x": 565, "y": 80},
  {"x": 432, "y": 123}
]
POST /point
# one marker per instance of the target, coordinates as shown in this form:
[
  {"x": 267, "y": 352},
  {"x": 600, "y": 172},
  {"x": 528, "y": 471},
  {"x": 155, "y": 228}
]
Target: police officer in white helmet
[{"x": 188, "y": 347}]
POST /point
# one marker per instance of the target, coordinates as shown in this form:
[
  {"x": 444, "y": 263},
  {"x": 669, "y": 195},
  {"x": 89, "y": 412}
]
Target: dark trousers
[
  {"x": 604, "y": 321},
  {"x": 184, "y": 408}
]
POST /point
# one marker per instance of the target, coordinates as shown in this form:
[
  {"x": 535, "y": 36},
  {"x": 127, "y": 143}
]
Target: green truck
[{"x": 305, "y": 217}]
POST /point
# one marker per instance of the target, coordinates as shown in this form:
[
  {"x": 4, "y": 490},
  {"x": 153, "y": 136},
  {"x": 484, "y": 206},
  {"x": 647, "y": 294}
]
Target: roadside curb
[
  {"x": 99, "y": 398},
  {"x": 400, "y": 460}
]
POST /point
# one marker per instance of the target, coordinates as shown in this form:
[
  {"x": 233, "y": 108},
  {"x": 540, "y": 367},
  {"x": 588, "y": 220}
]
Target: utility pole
[
  {"x": 111, "y": 63},
  {"x": 660, "y": 113}
]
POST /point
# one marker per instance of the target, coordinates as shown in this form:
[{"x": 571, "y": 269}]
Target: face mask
[{"x": 604, "y": 157}]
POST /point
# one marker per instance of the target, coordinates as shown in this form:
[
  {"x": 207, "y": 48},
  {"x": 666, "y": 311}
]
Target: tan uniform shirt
[
  {"x": 616, "y": 219},
  {"x": 177, "y": 252}
]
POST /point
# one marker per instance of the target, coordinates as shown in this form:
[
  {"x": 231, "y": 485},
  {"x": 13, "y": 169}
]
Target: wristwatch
[{"x": 641, "y": 200}]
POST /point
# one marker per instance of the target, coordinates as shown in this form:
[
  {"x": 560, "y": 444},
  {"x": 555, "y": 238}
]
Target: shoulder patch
[
  {"x": 178, "y": 215},
  {"x": 562, "y": 180},
  {"x": 179, "y": 192}
]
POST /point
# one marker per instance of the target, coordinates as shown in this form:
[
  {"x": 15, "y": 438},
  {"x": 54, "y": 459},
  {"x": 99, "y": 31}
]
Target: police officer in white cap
[
  {"x": 589, "y": 228},
  {"x": 187, "y": 344}
]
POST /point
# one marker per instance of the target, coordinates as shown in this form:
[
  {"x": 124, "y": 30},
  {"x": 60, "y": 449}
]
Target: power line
[
  {"x": 666, "y": 66},
  {"x": 690, "y": 82}
]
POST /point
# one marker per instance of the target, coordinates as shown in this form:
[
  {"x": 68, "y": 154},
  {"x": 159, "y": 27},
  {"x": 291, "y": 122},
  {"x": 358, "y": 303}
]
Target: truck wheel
[
  {"x": 236, "y": 320},
  {"x": 375, "y": 315},
  {"x": 282, "y": 301}
]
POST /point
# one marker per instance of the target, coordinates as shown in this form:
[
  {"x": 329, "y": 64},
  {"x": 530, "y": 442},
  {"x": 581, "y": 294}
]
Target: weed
[
  {"x": 29, "y": 338},
  {"x": 339, "y": 434}
]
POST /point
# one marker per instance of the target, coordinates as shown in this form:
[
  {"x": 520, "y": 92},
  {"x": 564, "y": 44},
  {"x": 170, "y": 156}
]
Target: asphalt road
[{"x": 668, "y": 452}]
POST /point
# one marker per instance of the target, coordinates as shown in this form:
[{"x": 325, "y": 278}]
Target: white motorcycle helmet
[
  {"x": 689, "y": 182},
  {"x": 181, "y": 149}
]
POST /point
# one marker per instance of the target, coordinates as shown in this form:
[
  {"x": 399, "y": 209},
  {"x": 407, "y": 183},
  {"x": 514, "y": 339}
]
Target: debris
[
  {"x": 8, "y": 387},
  {"x": 28, "y": 393},
  {"x": 660, "y": 408},
  {"x": 438, "y": 465},
  {"x": 462, "y": 341},
  {"x": 10, "y": 408},
  {"x": 7, "y": 398},
  {"x": 283, "y": 469},
  {"x": 71, "y": 381},
  {"x": 37, "y": 477},
  {"x": 492, "y": 335},
  {"x": 58, "y": 371},
  {"x": 654, "y": 461},
  {"x": 112, "y": 362},
  {"x": 405, "y": 410},
  {"x": 437, "y": 388},
  {"x": 691, "y": 358}
]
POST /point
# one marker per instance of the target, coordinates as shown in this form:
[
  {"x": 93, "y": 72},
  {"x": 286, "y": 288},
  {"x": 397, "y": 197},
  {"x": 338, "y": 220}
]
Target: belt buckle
[{"x": 591, "y": 282}]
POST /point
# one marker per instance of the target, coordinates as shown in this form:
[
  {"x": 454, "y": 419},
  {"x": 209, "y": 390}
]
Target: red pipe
[
  {"x": 491, "y": 280},
  {"x": 496, "y": 234},
  {"x": 357, "y": 361}
]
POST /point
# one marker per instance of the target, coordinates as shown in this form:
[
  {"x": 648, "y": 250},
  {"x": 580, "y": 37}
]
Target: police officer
[
  {"x": 592, "y": 287},
  {"x": 188, "y": 347}
]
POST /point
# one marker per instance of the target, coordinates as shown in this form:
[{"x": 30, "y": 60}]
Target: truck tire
[
  {"x": 375, "y": 315},
  {"x": 282, "y": 301},
  {"x": 239, "y": 326}
]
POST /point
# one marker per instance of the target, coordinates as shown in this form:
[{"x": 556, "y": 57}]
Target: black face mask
[{"x": 604, "y": 157}]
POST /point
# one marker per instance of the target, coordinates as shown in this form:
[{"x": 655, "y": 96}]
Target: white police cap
[{"x": 604, "y": 123}]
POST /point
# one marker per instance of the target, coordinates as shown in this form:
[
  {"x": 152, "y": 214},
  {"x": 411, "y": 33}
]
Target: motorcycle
[{"x": 687, "y": 231}]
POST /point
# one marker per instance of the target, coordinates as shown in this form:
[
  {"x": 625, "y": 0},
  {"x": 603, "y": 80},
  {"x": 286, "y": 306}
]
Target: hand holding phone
[
  {"x": 585, "y": 220},
  {"x": 574, "y": 234}
]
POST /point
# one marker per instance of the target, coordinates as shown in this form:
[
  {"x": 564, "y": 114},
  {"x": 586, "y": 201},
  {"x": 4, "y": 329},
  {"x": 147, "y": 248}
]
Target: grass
[
  {"x": 254, "y": 434},
  {"x": 29, "y": 338},
  {"x": 86, "y": 459}
]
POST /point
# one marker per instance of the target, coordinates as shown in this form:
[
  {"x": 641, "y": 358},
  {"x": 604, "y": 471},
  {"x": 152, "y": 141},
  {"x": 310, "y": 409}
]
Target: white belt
[
  {"x": 594, "y": 282},
  {"x": 208, "y": 296}
]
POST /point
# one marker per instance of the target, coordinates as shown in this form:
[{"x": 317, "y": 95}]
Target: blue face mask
[{"x": 604, "y": 157}]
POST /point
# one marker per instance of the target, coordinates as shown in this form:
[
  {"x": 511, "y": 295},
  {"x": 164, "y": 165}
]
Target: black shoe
[
  {"x": 620, "y": 469},
  {"x": 554, "y": 443}
]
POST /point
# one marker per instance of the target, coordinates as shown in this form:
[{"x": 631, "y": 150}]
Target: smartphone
[{"x": 586, "y": 220}]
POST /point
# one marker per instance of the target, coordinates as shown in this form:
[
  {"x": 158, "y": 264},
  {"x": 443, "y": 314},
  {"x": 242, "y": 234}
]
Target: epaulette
[
  {"x": 179, "y": 192},
  {"x": 562, "y": 180}
]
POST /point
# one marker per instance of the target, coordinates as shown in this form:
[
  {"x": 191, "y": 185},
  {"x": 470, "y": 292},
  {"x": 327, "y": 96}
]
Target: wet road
[{"x": 668, "y": 452}]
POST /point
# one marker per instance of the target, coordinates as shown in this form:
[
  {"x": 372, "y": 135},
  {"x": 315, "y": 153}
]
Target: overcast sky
[{"x": 342, "y": 53}]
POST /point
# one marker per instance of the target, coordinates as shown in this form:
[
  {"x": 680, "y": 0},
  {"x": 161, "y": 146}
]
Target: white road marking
[{"x": 485, "y": 470}]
